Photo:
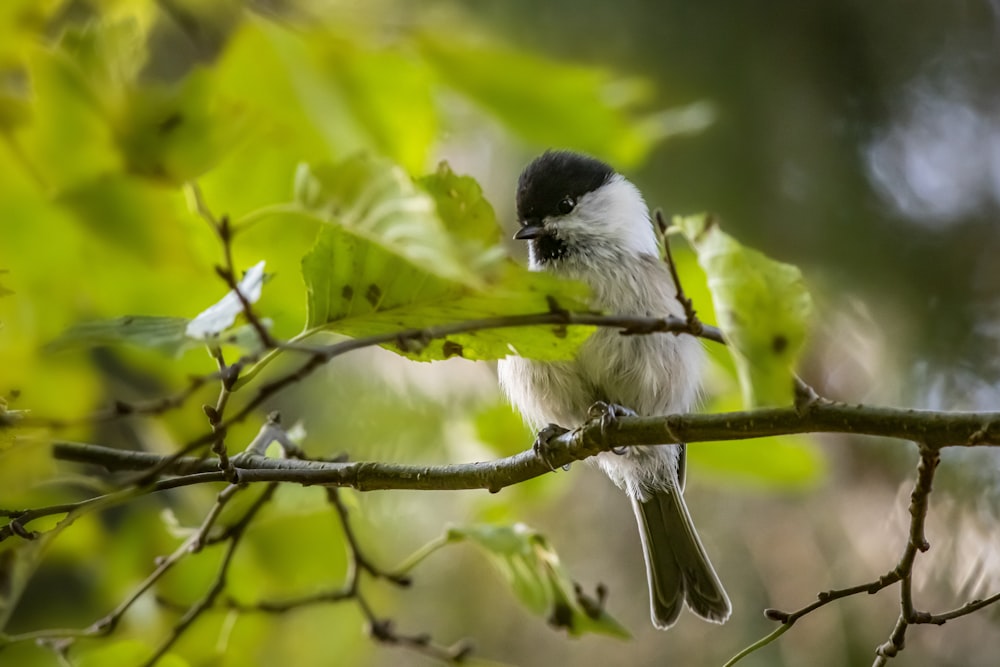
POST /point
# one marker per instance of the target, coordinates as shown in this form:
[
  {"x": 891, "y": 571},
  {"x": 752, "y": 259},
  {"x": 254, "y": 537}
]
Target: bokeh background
[{"x": 859, "y": 141}]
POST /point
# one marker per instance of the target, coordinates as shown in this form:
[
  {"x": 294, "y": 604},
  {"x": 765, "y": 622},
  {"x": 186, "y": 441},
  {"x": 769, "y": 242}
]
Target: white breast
[{"x": 653, "y": 374}]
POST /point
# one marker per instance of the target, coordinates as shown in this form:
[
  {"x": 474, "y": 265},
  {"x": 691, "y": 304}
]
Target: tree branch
[{"x": 938, "y": 429}]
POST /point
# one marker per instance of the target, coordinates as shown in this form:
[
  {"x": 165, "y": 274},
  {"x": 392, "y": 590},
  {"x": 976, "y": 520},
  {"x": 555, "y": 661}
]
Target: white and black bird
[{"x": 584, "y": 221}]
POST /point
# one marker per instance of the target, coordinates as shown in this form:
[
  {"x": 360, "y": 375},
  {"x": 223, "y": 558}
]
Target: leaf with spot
[
  {"x": 763, "y": 308},
  {"x": 360, "y": 288},
  {"x": 176, "y": 132},
  {"x": 381, "y": 265},
  {"x": 466, "y": 214},
  {"x": 534, "y": 572},
  {"x": 531, "y": 566}
]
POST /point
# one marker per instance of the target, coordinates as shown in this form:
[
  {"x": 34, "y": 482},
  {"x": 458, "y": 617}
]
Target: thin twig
[
  {"x": 891, "y": 648},
  {"x": 119, "y": 409},
  {"x": 215, "y": 415},
  {"x": 224, "y": 230},
  {"x": 333, "y": 596},
  {"x": 916, "y": 543},
  {"x": 902, "y": 573},
  {"x": 695, "y": 325},
  {"x": 964, "y": 610},
  {"x": 381, "y": 629},
  {"x": 232, "y": 536},
  {"x": 359, "y": 564},
  {"x": 59, "y": 640}
]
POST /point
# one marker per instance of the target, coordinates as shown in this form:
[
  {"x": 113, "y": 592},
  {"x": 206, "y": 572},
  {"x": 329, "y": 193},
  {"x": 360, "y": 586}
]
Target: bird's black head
[
  {"x": 552, "y": 184},
  {"x": 550, "y": 187}
]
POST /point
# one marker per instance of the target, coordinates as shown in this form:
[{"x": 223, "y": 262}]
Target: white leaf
[{"x": 221, "y": 315}]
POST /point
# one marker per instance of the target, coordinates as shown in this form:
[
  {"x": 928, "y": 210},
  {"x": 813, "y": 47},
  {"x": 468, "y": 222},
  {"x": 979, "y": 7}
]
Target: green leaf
[
  {"x": 532, "y": 568},
  {"x": 174, "y": 335},
  {"x": 467, "y": 216},
  {"x": 66, "y": 112},
  {"x": 763, "y": 308},
  {"x": 399, "y": 256},
  {"x": 178, "y": 131},
  {"x": 22, "y": 24},
  {"x": 108, "y": 52},
  {"x": 462, "y": 208},
  {"x": 376, "y": 200},
  {"x": 342, "y": 91},
  {"x": 370, "y": 83},
  {"x": 358, "y": 288},
  {"x": 579, "y": 107},
  {"x": 161, "y": 333}
]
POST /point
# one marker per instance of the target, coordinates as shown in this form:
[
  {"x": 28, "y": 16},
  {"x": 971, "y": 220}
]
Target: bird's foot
[
  {"x": 609, "y": 413},
  {"x": 542, "y": 446}
]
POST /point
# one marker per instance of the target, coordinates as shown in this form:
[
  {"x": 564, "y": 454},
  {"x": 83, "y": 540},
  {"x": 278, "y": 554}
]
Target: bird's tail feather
[{"x": 677, "y": 566}]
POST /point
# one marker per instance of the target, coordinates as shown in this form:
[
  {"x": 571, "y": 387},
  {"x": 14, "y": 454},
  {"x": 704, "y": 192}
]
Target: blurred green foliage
[{"x": 315, "y": 131}]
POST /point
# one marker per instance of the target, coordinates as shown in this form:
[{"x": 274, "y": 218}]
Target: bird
[{"x": 584, "y": 221}]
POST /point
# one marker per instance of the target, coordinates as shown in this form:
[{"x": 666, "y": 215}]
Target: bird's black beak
[{"x": 529, "y": 232}]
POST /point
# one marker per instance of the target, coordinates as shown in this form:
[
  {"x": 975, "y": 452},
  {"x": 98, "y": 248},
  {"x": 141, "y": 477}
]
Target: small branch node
[
  {"x": 381, "y": 630},
  {"x": 593, "y": 606},
  {"x": 214, "y": 418},
  {"x": 887, "y": 650},
  {"x": 225, "y": 229},
  {"x": 17, "y": 529},
  {"x": 777, "y": 615},
  {"x": 555, "y": 308},
  {"x": 805, "y": 397}
]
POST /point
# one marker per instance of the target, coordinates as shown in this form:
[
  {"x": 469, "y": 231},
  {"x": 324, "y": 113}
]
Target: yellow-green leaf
[
  {"x": 176, "y": 132},
  {"x": 376, "y": 200},
  {"x": 579, "y": 107},
  {"x": 531, "y": 566},
  {"x": 359, "y": 288},
  {"x": 467, "y": 216},
  {"x": 162, "y": 333},
  {"x": 763, "y": 308}
]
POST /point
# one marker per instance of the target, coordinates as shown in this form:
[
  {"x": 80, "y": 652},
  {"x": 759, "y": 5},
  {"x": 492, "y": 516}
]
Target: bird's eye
[{"x": 566, "y": 206}]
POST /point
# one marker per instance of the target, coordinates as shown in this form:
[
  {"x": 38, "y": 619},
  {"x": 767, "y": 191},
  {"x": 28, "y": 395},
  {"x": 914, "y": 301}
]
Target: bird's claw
[
  {"x": 608, "y": 413},
  {"x": 541, "y": 446}
]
